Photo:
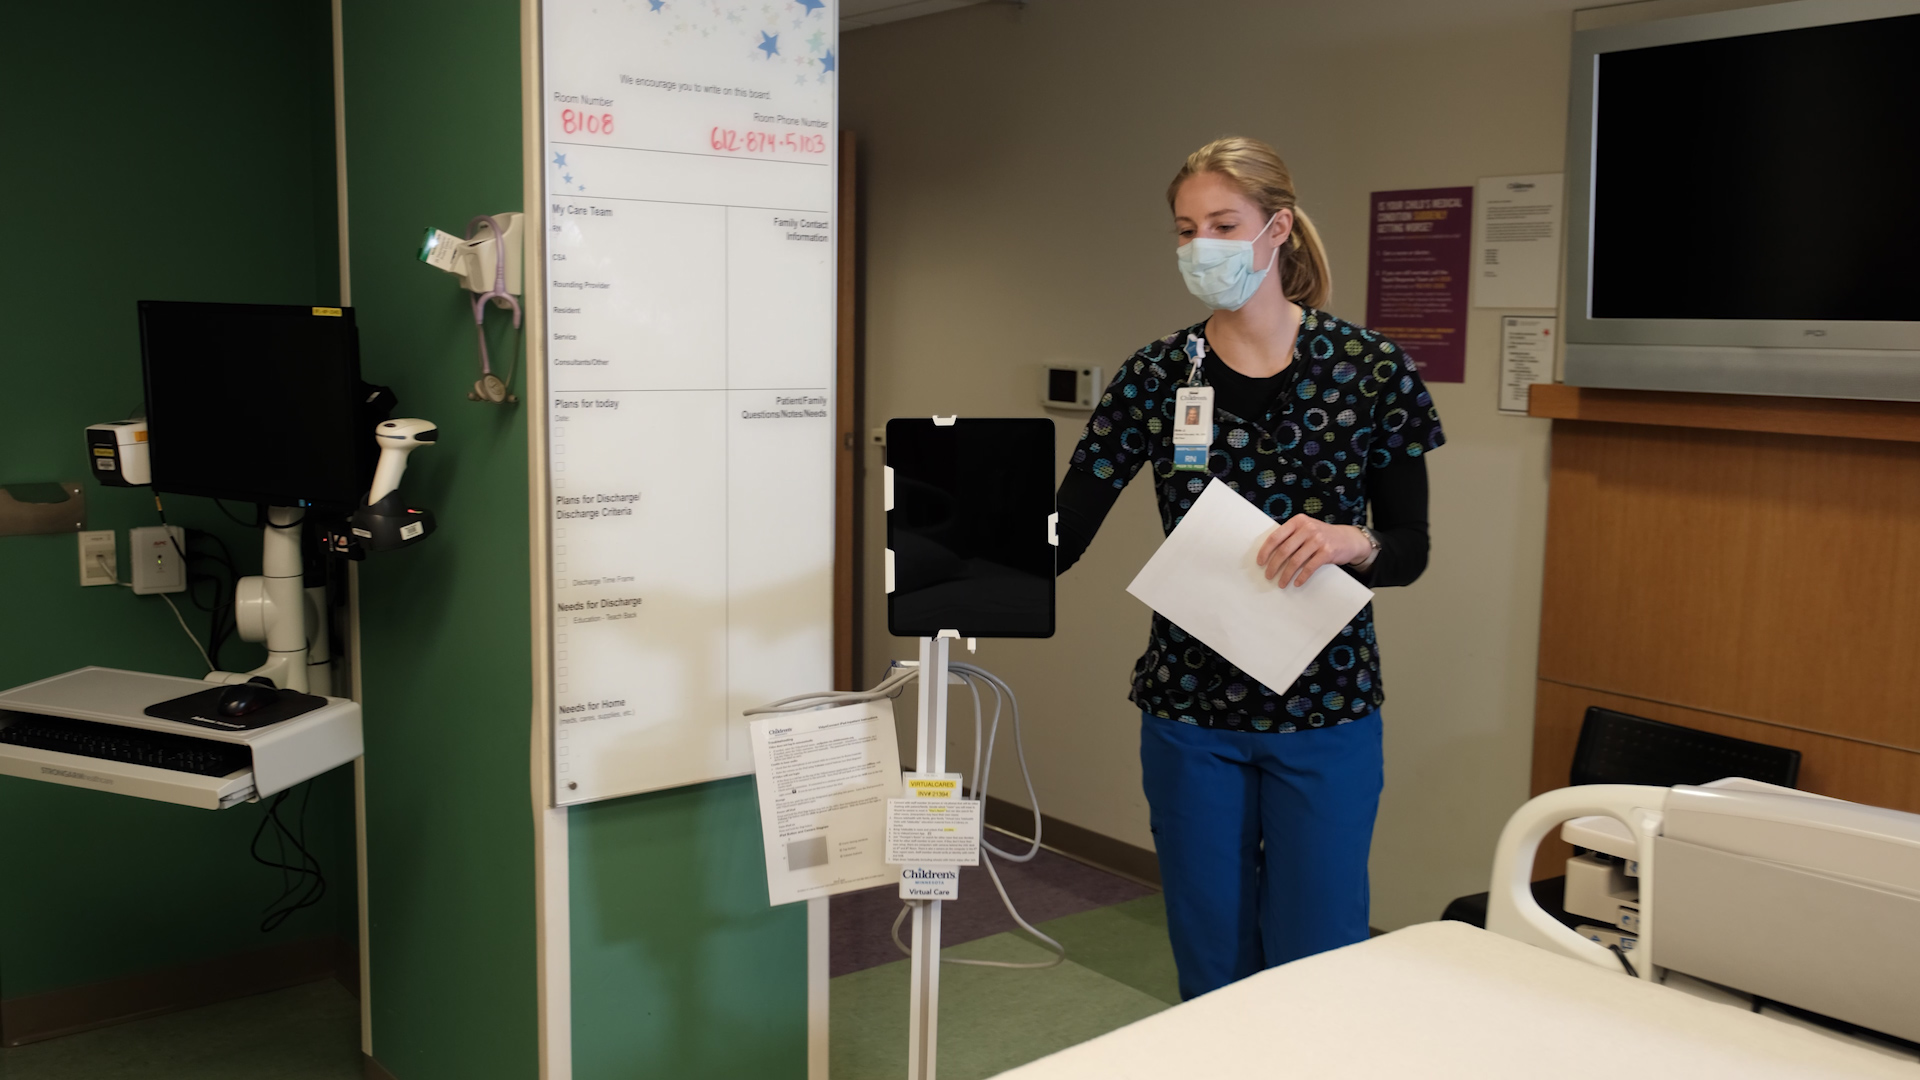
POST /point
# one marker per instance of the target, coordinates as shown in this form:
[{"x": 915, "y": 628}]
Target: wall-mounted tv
[{"x": 1742, "y": 191}]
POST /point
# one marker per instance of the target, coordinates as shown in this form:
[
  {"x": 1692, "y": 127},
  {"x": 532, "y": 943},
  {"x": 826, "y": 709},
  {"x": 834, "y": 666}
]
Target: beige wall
[{"x": 1015, "y": 163}]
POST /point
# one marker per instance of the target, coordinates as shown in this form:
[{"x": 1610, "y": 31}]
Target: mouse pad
[{"x": 203, "y": 708}]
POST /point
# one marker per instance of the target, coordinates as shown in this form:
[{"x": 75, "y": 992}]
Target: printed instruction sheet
[
  {"x": 933, "y": 832},
  {"x": 1526, "y": 357},
  {"x": 1516, "y": 254},
  {"x": 824, "y": 780}
]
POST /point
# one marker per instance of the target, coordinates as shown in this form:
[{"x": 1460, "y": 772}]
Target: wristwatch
[{"x": 1373, "y": 541}]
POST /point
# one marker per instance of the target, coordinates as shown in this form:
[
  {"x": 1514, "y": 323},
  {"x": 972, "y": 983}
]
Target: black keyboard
[{"x": 111, "y": 742}]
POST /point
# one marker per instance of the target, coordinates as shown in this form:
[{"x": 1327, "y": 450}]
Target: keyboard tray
[
  {"x": 269, "y": 759},
  {"x": 151, "y": 765}
]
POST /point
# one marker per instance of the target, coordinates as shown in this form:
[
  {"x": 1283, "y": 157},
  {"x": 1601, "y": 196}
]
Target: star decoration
[
  {"x": 811, "y": 6},
  {"x": 560, "y": 160},
  {"x": 816, "y": 42},
  {"x": 769, "y": 44},
  {"x": 568, "y": 177},
  {"x": 656, "y": 5},
  {"x": 826, "y": 62}
]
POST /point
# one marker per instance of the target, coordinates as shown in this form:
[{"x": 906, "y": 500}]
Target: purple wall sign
[{"x": 1417, "y": 276}]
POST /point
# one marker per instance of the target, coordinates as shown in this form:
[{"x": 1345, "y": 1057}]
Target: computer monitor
[{"x": 259, "y": 403}]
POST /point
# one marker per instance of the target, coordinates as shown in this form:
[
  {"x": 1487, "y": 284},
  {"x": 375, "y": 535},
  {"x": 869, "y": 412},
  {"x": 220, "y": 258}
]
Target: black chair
[{"x": 1616, "y": 748}]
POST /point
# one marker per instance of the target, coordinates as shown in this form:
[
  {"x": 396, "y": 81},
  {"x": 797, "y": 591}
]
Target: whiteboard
[{"x": 690, "y": 180}]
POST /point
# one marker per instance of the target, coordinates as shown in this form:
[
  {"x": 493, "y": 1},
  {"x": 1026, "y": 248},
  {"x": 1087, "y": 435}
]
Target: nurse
[{"x": 1262, "y": 798}]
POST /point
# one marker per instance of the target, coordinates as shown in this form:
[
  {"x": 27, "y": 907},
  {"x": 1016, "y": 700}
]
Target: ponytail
[{"x": 1306, "y": 278}]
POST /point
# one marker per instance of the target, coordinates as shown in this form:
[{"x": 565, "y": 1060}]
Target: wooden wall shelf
[{"x": 1891, "y": 421}]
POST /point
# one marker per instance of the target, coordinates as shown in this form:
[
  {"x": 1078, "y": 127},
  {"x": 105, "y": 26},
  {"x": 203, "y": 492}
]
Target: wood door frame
[{"x": 847, "y": 474}]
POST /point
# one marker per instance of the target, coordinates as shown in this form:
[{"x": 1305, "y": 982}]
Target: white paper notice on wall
[
  {"x": 1526, "y": 357},
  {"x": 1516, "y": 234},
  {"x": 824, "y": 780},
  {"x": 689, "y": 189}
]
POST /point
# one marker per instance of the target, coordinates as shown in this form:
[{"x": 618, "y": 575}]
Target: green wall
[
  {"x": 152, "y": 153},
  {"x": 680, "y": 968},
  {"x": 187, "y": 154},
  {"x": 433, "y": 137}
]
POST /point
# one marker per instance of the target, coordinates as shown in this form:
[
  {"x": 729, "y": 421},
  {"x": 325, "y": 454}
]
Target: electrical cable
[
  {"x": 1624, "y": 962},
  {"x": 1020, "y": 751},
  {"x": 982, "y": 773},
  {"x": 102, "y": 560},
  {"x": 307, "y": 879},
  {"x": 220, "y": 609},
  {"x": 259, "y": 519},
  {"x": 183, "y": 626},
  {"x": 1004, "y": 699}
]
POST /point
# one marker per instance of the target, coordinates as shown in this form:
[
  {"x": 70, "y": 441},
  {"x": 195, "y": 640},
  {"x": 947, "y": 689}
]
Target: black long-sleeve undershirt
[{"x": 1397, "y": 496}]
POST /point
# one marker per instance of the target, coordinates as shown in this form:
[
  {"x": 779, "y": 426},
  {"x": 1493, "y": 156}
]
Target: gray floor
[
  {"x": 309, "y": 1032},
  {"x": 1120, "y": 970}
]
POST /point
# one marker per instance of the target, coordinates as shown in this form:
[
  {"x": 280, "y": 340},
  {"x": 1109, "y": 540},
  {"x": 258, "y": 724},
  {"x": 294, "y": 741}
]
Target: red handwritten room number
[{"x": 574, "y": 122}]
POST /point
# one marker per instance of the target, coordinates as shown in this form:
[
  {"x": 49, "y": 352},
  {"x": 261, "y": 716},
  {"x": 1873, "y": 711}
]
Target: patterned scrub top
[{"x": 1352, "y": 403}]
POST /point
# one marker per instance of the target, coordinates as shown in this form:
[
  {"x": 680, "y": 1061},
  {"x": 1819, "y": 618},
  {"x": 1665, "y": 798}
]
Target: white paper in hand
[{"x": 1205, "y": 580}]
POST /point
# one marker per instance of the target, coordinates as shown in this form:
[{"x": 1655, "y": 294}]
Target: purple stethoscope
[{"x": 489, "y": 387}]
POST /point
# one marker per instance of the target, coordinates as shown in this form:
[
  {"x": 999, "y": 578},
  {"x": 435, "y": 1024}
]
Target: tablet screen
[{"x": 970, "y": 527}]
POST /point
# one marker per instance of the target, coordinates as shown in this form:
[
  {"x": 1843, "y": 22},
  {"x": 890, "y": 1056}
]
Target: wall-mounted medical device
[
  {"x": 118, "y": 453},
  {"x": 384, "y": 521},
  {"x": 1073, "y": 388},
  {"x": 488, "y": 260}
]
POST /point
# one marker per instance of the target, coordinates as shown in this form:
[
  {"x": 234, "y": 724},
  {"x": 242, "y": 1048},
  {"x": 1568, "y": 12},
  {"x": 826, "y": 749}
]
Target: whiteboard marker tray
[{"x": 282, "y": 754}]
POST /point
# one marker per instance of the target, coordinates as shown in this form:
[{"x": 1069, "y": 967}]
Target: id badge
[{"x": 1192, "y": 427}]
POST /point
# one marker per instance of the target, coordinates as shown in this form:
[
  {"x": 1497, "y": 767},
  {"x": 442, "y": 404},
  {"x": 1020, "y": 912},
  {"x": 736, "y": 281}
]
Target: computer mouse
[{"x": 244, "y": 698}]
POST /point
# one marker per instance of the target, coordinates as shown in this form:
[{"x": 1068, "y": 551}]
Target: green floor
[
  {"x": 309, "y": 1032},
  {"x": 1119, "y": 969}
]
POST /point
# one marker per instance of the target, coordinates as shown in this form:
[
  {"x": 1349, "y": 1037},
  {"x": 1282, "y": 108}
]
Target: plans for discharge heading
[{"x": 689, "y": 190}]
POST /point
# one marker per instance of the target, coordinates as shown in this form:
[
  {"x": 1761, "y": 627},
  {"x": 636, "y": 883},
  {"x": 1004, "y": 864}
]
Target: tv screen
[
  {"x": 1767, "y": 176},
  {"x": 255, "y": 402}
]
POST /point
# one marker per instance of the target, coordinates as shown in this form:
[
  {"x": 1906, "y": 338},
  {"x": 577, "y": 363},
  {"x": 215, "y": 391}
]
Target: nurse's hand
[{"x": 1303, "y": 544}]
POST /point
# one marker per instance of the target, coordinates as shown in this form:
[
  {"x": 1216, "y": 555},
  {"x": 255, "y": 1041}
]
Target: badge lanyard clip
[{"x": 1193, "y": 414}]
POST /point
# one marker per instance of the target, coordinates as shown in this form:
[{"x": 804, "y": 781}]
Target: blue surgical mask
[{"x": 1220, "y": 272}]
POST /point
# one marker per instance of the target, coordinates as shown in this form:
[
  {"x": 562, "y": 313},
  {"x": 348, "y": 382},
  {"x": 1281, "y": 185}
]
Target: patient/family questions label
[{"x": 688, "y": 220}]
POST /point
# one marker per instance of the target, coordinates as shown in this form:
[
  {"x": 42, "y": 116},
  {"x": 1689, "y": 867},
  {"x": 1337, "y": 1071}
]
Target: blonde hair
[{"x": 1256, "y": 169}]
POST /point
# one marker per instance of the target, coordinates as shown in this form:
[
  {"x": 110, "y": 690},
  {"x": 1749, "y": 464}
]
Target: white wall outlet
[
  {"x": 155, "y": 558},
  {"x": 99, "y": 557}
]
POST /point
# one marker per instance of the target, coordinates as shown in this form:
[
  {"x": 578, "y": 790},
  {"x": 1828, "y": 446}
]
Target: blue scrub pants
[{"x": 1263, "y": 842}]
